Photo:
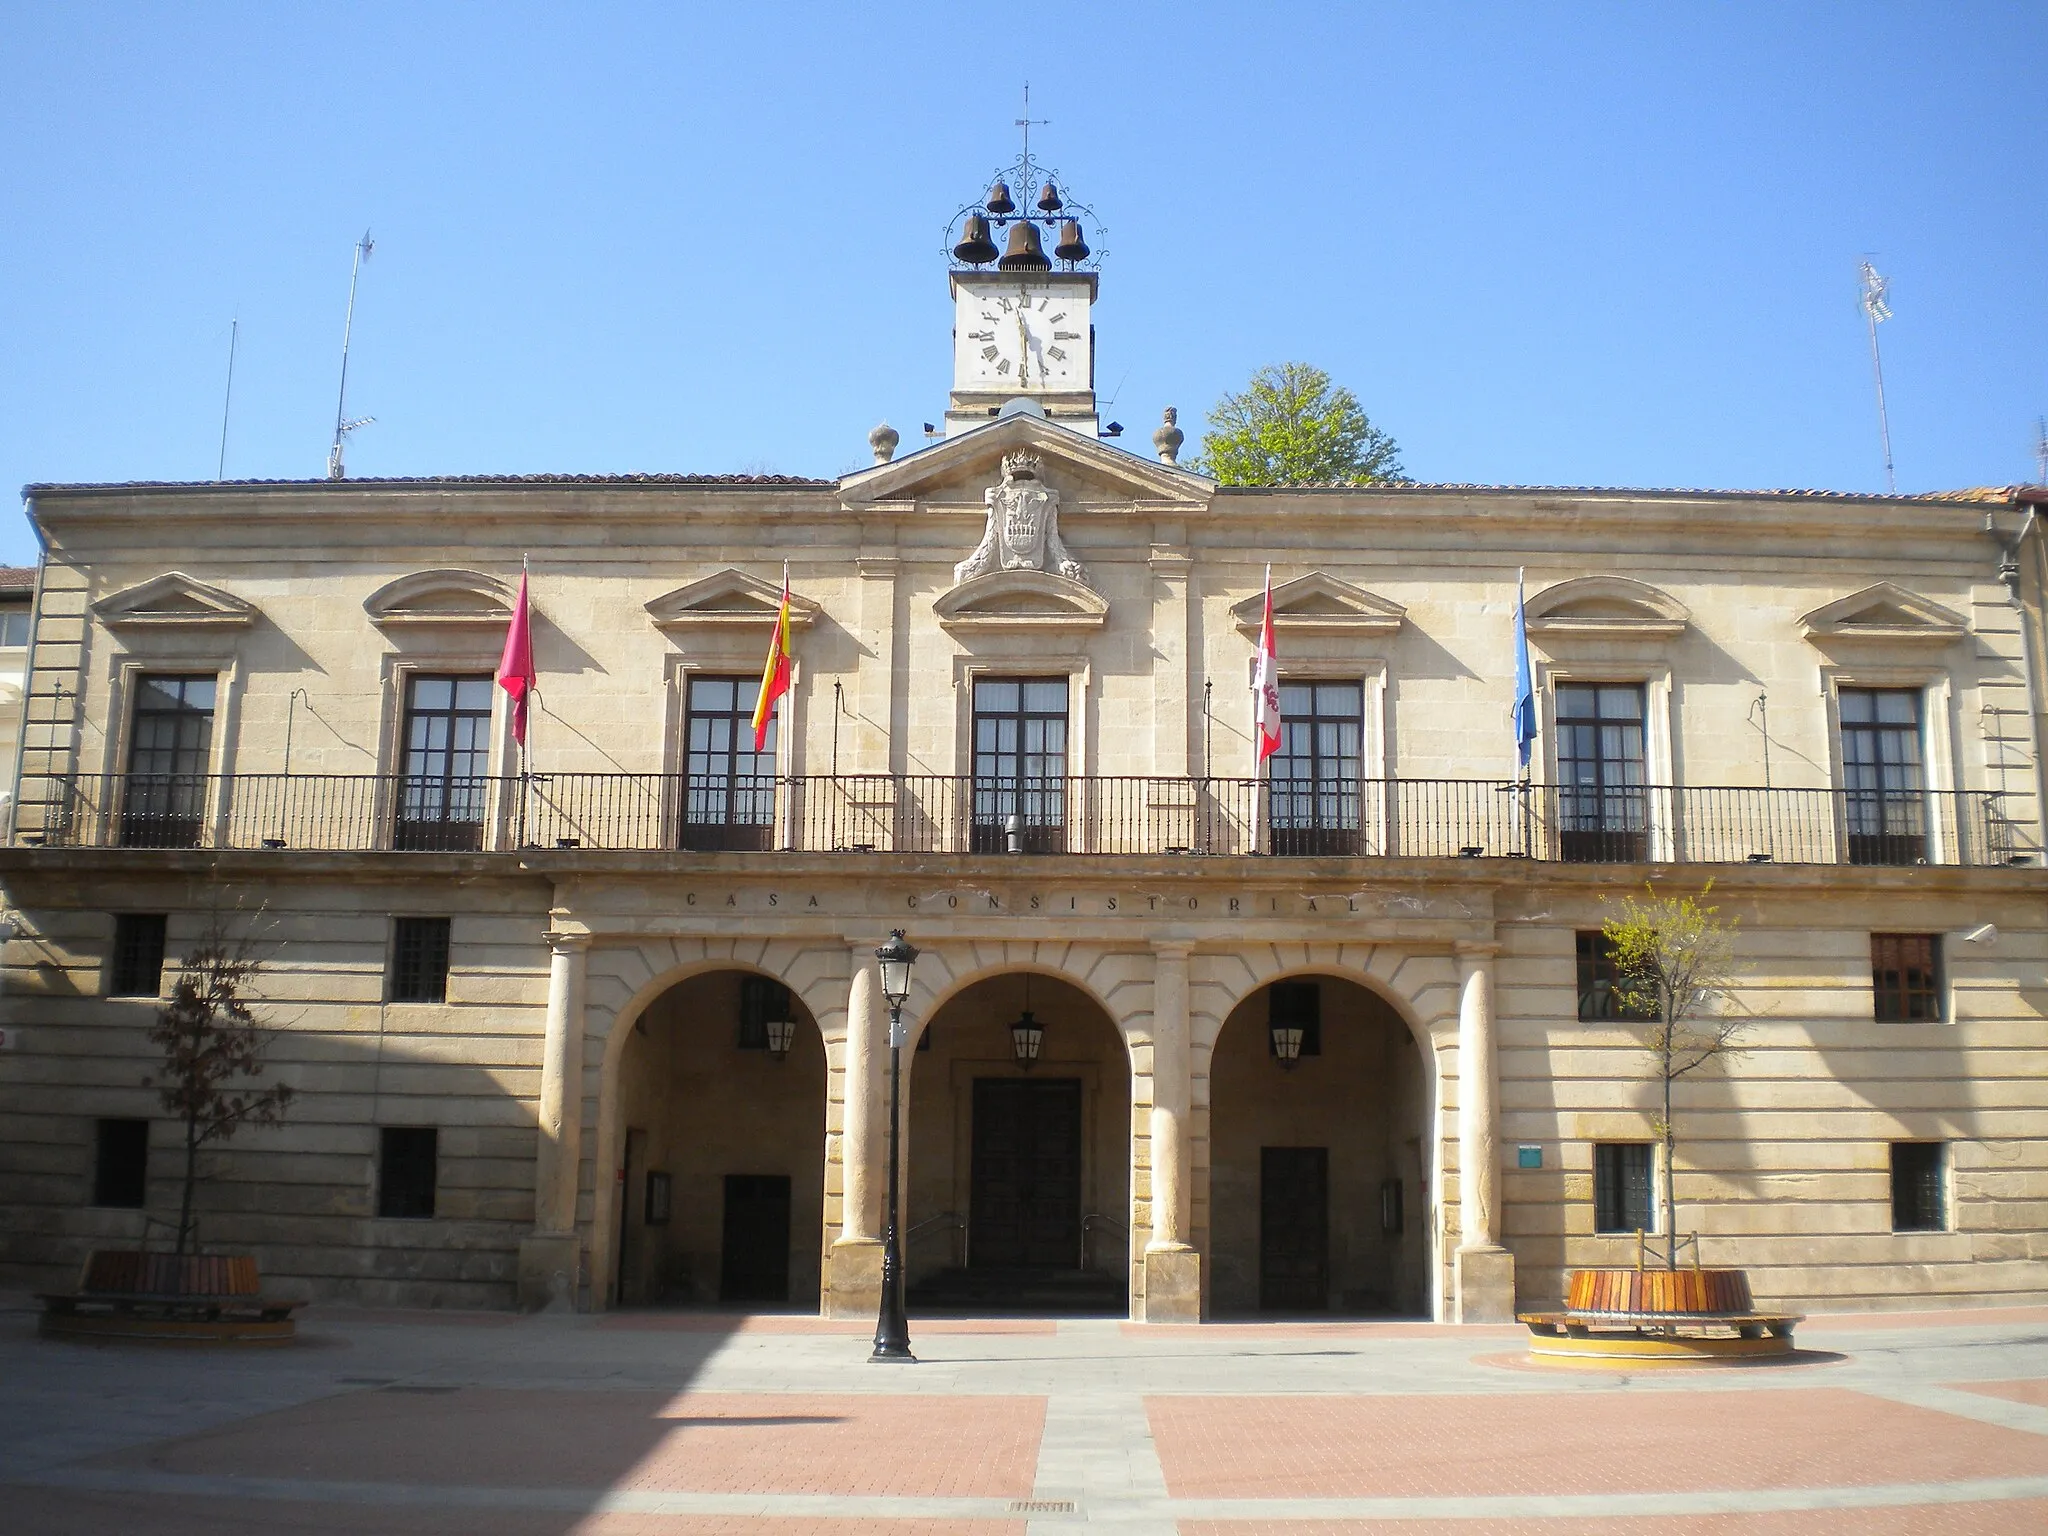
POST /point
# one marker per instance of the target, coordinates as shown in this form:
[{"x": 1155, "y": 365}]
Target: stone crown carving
[{"x": 1023, "y": 531}]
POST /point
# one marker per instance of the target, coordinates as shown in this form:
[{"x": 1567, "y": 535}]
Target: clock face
[{"x": 1025, "y": 340}]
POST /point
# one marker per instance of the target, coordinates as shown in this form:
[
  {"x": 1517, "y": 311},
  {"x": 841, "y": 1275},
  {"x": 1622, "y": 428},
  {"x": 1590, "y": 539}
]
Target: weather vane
[{"x": 1027, "y": 122}]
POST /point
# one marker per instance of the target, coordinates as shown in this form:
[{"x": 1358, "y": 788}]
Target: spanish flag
[{"x": 775, "y": 672}]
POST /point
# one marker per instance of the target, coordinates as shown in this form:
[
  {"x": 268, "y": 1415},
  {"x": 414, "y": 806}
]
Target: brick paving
[{"x": 400, "y": 1424}]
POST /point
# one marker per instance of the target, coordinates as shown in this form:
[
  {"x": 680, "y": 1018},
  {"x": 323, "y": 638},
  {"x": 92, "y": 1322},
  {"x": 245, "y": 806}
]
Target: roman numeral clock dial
[{"x": 1026, "y": 340}]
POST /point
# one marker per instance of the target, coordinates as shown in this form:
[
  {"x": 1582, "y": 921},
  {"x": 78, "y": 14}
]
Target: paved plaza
[{"x": 689, "y": 1424}]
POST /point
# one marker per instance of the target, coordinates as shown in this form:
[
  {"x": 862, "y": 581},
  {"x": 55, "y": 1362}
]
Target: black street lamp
[{"x": 892, "y": 1329}]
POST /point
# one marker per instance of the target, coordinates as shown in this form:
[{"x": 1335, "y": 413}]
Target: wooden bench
[
  {"x": 202, "y": 1297},
  {"x": 1646, "y": 1314},
  {"x": 1746, "y": 1325}
]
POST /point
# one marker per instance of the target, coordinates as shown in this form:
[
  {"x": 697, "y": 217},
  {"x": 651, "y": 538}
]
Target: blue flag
[{"x": 1525, "y": 683}]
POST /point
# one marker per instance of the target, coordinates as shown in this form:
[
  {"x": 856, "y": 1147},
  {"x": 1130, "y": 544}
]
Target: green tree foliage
[
  {"x": 1291, "y": 426},
  {"x": 1675, "y": 970},
  {"x": 211, "y": 1042}
]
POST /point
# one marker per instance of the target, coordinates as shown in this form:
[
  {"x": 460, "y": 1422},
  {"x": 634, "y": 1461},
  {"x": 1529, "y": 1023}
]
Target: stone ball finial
[
  {"x": 1168, "y": 437},
  {"x": 884, "y": 440}
]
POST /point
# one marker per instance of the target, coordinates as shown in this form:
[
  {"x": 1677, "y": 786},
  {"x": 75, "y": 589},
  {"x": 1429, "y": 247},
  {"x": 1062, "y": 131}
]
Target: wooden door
[
  {"x": 632, "y": 1231},
  {"x": 753, "y": 1260},
  {"x": 1294, "y": 1229},
  {"x": 1025, "y": 1202}
]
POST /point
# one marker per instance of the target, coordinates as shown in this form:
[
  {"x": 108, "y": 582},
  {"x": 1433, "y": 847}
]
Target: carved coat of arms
[{"x": 1023, "y": 526}]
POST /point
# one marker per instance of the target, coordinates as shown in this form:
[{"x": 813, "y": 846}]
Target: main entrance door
[
  {"x": 1025, "y": 1201},
  {"x": 1294, "y": 1229}
]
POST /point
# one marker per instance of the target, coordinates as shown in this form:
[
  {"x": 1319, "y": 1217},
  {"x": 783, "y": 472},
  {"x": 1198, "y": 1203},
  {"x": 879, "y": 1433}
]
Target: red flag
[
  {"x": 515, "y": 668},
  {"x": 775, "y": 672},
  {"x": 1266, "y": 683}
]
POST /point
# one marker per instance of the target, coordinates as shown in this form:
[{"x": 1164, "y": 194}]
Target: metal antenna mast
[
  {"x": 342, "y": 425},
  {"x": 2041, "y": 450},
  {"x": 1876, "y": 291},
  {"x": 228, "y": 400}
]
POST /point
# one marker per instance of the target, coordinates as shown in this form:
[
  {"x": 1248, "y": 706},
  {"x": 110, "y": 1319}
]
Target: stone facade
[{"x": 590, "y": 1032}]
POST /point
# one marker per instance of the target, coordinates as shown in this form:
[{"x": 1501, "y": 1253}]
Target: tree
[
  {"x": 1675, "y": 968},
  {"x": 210, "y": 1041},
  {"x": 1292, "y": 426}
]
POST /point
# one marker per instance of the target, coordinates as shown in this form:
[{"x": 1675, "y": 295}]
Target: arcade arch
[{"x": 721, "y": 1147}]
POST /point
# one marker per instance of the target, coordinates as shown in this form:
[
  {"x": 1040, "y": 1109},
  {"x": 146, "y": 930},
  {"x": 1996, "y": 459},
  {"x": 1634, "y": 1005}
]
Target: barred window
[
  {"x": 136, "y": 967},
  {"x": 1600, "y": 981},
  {"x": 1296, "y": 1005},
  {"x": 1905, "y": 976},
  {"x": 408, "y": 1165},
  {"x": 1919, "y": 1192},
  {"x": 120, "y": 1169},
  {"x": 1621, "y": 1187},
  {"x": 761, "y": 1000},
  {"x": 419, "y": 960}
]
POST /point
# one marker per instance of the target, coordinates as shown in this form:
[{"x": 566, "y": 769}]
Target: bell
[
  {"x": 999, "y": 198},
  {"x": 1025, "y": 253},
  {"x": 975, "y": 247},
  {"x": 1071, "y": 247},
  {"x": 1049, "y": 198}
]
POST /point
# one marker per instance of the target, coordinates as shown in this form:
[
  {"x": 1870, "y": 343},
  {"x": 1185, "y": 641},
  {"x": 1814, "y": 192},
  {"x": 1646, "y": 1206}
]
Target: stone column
[
  {"x": 1484, "y": 1282},
  {"x": 856, "y": 1258},
  {"x": 548, "y": 1260},
  {"x": 1173, "y": 1269}
]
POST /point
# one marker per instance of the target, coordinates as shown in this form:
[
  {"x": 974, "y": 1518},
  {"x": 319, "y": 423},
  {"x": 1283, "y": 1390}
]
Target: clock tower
[{"x": 1022, "y": 321}]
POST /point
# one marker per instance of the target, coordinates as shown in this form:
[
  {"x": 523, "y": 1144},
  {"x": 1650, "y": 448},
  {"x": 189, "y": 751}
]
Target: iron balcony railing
[{"x": 963, "y": 814}]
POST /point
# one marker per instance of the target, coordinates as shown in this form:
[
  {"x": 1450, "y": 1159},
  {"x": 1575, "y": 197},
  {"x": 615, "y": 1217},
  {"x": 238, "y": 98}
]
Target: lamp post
[{"x": 892, "y": 1329}]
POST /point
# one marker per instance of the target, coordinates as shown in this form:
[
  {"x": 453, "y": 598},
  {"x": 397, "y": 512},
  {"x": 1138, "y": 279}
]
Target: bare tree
[
  {"x": 1675, "y": 970},
  {"x": 212, "y": 1046}
]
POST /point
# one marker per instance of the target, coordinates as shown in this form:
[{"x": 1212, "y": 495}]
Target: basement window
[
  {"x": 408, "y": 1166},
  {"x": 1919, "y": 1186},
  {"x": 120, "y": 1169}
]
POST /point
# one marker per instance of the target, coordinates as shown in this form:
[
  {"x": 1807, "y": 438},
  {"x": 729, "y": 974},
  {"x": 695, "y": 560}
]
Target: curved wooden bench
[
  {"x": 1645, "y": 1314},
  {"x": 128, "y": 1294}
]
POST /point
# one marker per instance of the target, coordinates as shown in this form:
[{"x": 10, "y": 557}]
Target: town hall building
[{"x": 597, "y": 1022}]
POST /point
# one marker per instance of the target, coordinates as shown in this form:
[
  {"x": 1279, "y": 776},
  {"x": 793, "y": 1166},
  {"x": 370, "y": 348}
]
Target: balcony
[{"x": 943, "y": 814}]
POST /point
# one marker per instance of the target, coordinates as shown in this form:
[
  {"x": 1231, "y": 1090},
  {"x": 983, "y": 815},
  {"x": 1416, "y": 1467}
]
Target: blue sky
[{"x": 1600, "y": 244}]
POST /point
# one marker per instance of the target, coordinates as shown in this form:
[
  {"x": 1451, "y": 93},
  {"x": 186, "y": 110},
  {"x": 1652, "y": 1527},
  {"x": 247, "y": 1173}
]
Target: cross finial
[{"x": 1027, "y": 122}]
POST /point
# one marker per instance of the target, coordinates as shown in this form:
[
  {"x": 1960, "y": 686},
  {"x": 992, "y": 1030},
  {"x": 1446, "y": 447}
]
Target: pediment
[
  {"x": 1033, "y": 601},
  {"x": 961, "y": 467},
  {"x": 1320, "y": 604},
  {"x": 728, "y": 599},
  {"x": 1605, "y": 605},
  {"x": 1888, "y": 612},
  {"x": 443, "y": 599},
  {"x": 175, "y": 601}
]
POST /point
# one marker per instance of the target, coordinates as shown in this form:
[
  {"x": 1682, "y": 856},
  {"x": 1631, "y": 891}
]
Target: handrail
[
  {"x": 1098, "y": 1218},
  {"x": 1115, "y": 815}
]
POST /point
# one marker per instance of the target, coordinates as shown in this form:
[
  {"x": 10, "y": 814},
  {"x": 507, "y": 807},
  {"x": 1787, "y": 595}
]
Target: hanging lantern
[
  {"x": 781, "y": 1034},
  {"x": 1287, "y": 1045},
  {"x": 1027, "y": 1035}
]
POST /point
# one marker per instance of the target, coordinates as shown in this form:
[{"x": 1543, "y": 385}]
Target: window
[
  {"x": 761, "y": 1000},
  {"x": 1315, "y": 774},
  {"x": 1602, "y": 807},
  {"x": 407, "y": 1167},
  {"x": 1020, "y": 763},
  {"x": 1621, "y": 1187},
  {"x": 419, "y": 960},
  {"x": 1599, "y": 979},
  {"x": 13, "y": 626},
  {"x": 1905, "y": 976},
  {"x": 447, "y": 763},
  {"x": 1919, "y": 1198},
  {"x": 729, "y": 791},
  {"x": 120, "y": 1169},
  {"x": 136, "y": 967},
  {"x": 1296, "y": 1005},
  {"x": 1881, "y": 773},
  {"x": 170, "y": 746}
]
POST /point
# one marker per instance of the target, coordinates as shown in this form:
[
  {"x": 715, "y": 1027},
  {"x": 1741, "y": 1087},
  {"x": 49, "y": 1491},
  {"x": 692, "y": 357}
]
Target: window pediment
[
  {"x": 175, "y": 601},
  {"x": 1320, "y": 604},
  {"x": 1885, "y": 612},
  {"x": 441, "y": 600},
  {"x": 1035, "y": 601},
  {"x": 1606, "y": 605},
  {"x": 728, "y": 599}
]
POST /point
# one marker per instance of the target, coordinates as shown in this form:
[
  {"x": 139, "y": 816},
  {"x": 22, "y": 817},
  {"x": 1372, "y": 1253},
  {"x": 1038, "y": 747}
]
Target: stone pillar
[
  {"x": 1173, "y": 1269},
  {"x": 548, "y": 1259},
  {"x": 856, "y": 1258},
  {"x": 1484, "y": 1282}
]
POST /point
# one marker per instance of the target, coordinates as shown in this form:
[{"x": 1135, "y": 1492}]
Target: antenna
[
  {"x": 227, "y": 402},
  {"x": 2041, "y": 450},
  {"x": 342, "y": 425},
  {"x": 1876, "y": 293}
]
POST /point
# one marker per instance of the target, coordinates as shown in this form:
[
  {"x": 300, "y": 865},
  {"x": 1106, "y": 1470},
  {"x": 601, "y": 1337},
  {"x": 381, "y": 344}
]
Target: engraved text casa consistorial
[{"x": 1023, "y": 527}]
